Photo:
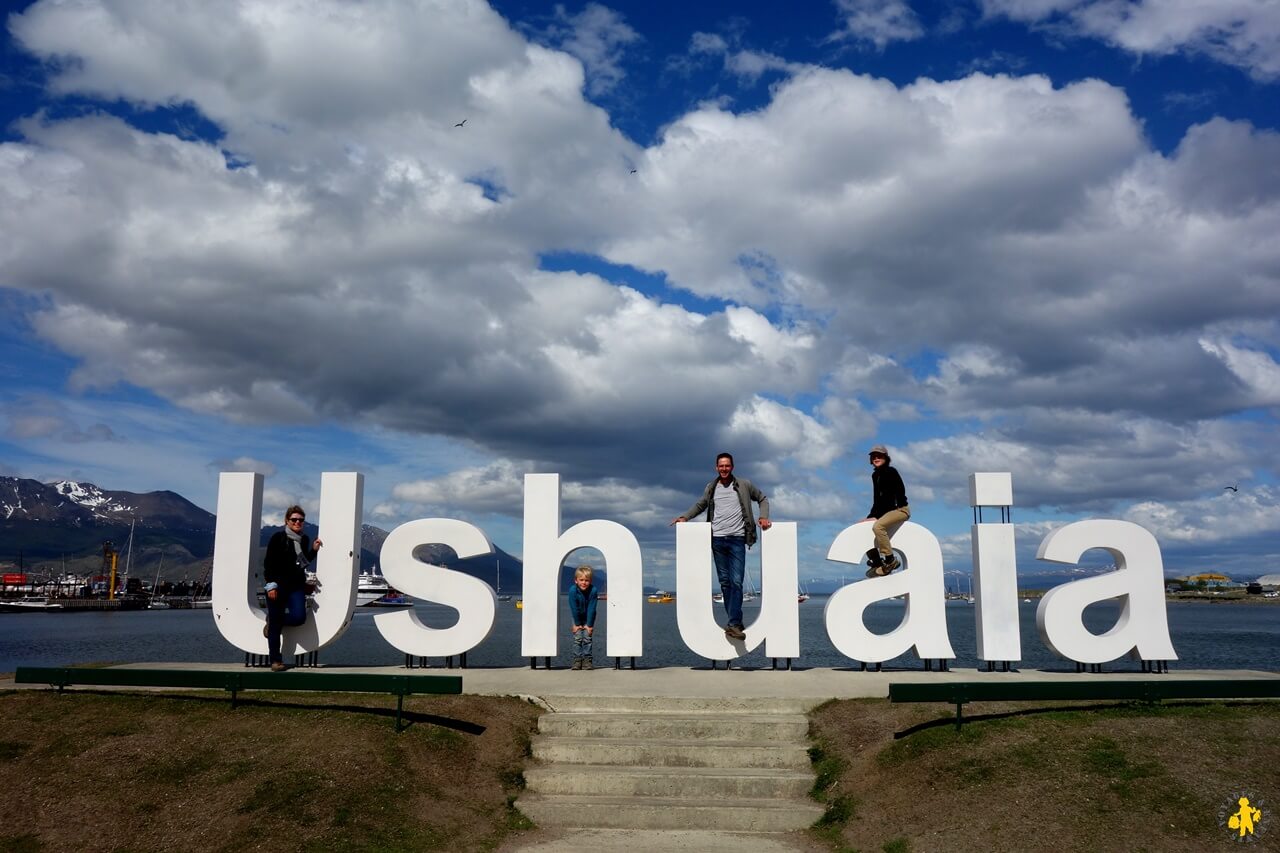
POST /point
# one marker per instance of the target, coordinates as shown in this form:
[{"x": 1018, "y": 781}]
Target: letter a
[
  {"x": 924, "y": 624},
  {"x": 1142, "y": 627}
]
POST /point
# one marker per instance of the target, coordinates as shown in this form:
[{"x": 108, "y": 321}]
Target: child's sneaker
[
  {"x": 889, "y": 564},
  {"x": 588, "y": 663}
]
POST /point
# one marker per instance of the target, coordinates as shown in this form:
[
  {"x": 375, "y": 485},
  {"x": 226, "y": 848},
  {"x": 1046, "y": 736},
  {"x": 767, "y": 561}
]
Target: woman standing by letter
[{"x": 289, "y": 552}]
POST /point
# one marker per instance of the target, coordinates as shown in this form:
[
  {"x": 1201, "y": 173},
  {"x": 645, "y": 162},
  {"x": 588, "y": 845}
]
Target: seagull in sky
[
  {"x": 633, "y": 171},
  {"x": 1232, "y": 488},
  {"x": 461, "y": 123}
]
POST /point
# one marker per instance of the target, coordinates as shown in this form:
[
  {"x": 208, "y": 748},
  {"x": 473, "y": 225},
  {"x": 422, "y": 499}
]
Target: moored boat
[
  {"x": 374, "y": 591},
  {"x": 30, "y": 604}
]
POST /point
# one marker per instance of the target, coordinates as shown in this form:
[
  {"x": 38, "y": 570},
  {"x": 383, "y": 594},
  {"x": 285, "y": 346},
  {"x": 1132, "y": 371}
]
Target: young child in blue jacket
[{"x": 582, "y": 613}]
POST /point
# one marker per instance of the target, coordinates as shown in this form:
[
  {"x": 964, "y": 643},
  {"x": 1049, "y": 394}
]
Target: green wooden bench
[
  {"x": 236, "y": 681},
  {"x": 959, "y": 693}
]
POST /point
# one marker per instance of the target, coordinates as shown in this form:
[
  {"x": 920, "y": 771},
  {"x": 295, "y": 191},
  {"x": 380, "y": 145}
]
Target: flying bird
[
  {"x": 461, "y": 123},
  {"x": 1232, "y": 488},
  {"x": 633, "y": 171}
]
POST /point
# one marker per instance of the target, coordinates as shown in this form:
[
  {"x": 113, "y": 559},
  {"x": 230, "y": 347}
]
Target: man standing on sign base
[{"x": 727, "y": 503}]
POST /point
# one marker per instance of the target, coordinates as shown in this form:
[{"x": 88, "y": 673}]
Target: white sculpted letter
[
  {"x": 995, "y": 573},
  {"x": 778, "y": 624},
  {"x": 474, "y": 599},
  {"x": 237, "y": 563},
  {"x": 1142, "y": 627},
  {"x": 924, "y": 624},
  {"x": 545, "y": 549}
]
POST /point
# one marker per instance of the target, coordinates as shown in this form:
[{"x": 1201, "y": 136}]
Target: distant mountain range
[{"x": 46, "y": 526}]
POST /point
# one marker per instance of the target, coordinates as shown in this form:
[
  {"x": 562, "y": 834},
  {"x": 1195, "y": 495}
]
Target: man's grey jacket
[{"x": 747, "y": 492}]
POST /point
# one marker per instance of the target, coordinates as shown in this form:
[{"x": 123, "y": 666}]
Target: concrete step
[
  {"x": 738, "y": 814},
  {"x": 677, "y": 705},
  {"x": 763, "y": 727},
  {"x": 698, "y": 782},
  {"x": 597, "y": 840},
  {"x": 654, "y": 753}
]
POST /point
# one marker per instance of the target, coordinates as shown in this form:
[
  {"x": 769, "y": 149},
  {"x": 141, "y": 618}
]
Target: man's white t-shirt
[{"x": 727, "y": 520}]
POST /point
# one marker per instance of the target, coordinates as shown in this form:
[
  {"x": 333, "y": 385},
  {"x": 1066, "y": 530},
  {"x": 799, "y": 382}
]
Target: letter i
[{"x": 995, "y": 571}]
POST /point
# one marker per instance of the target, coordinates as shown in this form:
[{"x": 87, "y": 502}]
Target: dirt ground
[
  {"x": 97, "y": 771},
  {"x": 1110, "y": 778}
]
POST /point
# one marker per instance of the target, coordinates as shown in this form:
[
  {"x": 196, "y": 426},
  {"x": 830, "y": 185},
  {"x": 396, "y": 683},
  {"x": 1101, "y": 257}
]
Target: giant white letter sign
[
  {"x": 778, "y": 624},
  {"x": 545, "y": 549},
  {"x": 995, "y": 573},
  {"x": 237, "y": 563},
  {"x": 1142, "y": 627},
  {"x": 474, "y": 599},
  {"x": 924, "y": 624}
]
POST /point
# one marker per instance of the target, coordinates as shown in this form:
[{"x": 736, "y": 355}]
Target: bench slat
[{"x": 337, "y": 682}]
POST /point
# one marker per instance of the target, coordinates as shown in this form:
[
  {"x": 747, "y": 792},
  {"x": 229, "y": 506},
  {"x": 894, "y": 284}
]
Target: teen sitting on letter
[{"x": 888, "y": 508}]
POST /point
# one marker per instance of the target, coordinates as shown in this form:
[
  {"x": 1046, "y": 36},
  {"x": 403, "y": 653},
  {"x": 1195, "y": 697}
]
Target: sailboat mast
[{"x": 128, "y": 548}]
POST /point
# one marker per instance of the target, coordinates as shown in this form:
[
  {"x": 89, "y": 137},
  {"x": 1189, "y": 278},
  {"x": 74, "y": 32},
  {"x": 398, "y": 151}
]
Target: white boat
[
  {"x": 201, "y": 603},
  {"x": 157, "y": 604},
  {"x": 374, "y": 591},
  {"x": 30, "y": 604}
]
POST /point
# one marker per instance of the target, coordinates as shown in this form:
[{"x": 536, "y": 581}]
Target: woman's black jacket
[
  {"x": 281, "y": 563},
  {"x": 888, "y": 491}
]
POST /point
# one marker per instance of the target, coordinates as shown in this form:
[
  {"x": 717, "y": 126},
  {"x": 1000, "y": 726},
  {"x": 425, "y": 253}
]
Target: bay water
[{"x": 1205, "y": 636}]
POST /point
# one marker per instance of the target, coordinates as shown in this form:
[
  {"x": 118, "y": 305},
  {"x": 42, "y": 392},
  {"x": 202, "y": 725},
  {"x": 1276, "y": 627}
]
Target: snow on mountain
[{"x": 90, "y": 497}]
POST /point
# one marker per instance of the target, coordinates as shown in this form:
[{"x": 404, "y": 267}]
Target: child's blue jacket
[{"x": 582, "y": 605}]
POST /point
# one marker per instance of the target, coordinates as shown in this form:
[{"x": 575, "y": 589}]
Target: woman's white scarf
[{"x": 303, "y": 560}]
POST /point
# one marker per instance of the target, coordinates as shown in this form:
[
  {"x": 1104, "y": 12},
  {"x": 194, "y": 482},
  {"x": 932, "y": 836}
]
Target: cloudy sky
[{"x": 449, "y": 243}]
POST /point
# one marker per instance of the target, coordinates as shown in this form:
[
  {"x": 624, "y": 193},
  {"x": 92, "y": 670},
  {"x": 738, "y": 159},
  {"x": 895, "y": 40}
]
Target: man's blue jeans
[
  {"x": 730, "y": 556},
  {"x": 288, "y": 609}
]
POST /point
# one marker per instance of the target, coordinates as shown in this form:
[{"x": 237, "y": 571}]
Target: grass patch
[
  {"x": 827, "y": 768},
  {"x": 1130, "y": 777},
  {"x": 930, "y": 740},
  {"x": 318, "y": 772}
]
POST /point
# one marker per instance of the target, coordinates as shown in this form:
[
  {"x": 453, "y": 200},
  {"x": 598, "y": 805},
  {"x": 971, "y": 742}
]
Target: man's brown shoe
[
  {"x": 278, "y": 667},
  {"x": 735, "y": 632}
]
